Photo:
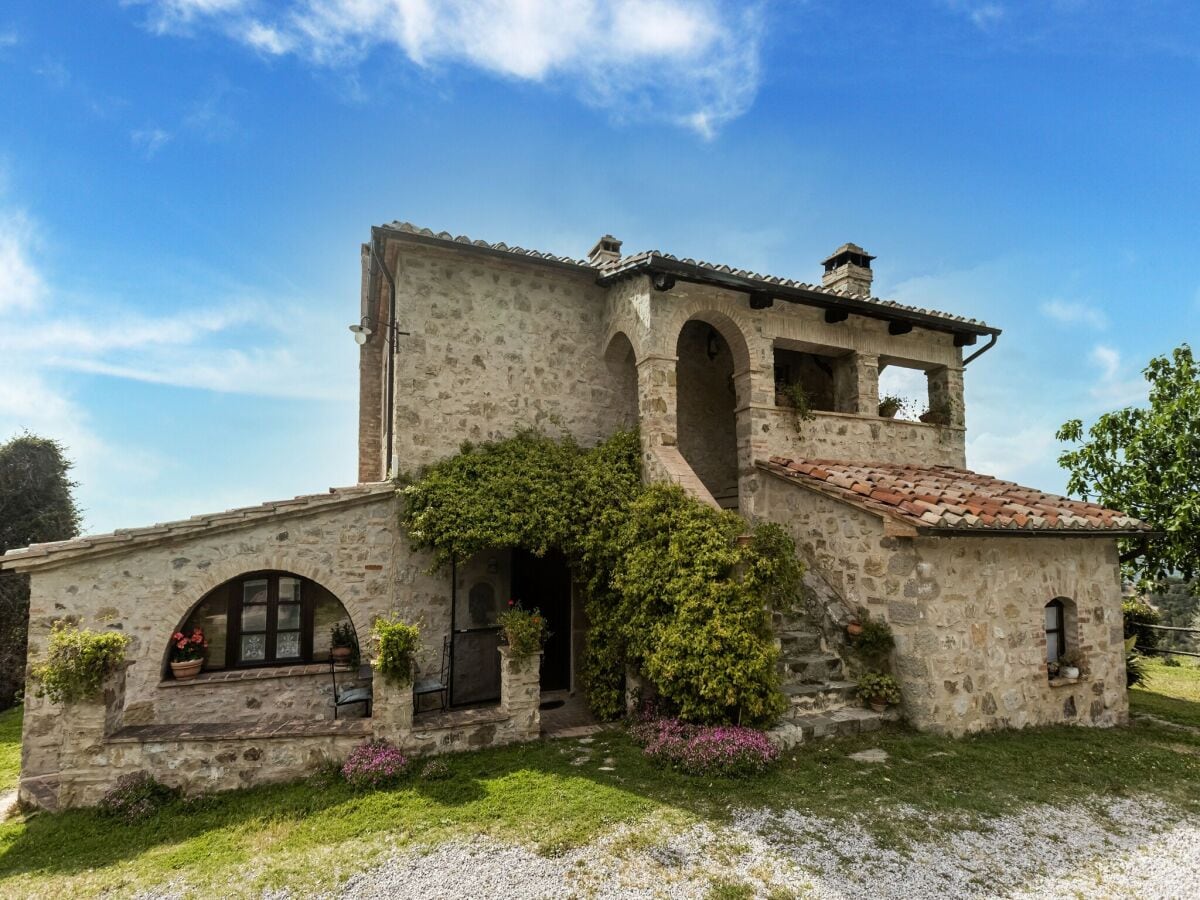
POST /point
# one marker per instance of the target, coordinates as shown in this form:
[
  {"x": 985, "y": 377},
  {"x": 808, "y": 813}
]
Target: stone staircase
[{"x": 823, "y": 701}]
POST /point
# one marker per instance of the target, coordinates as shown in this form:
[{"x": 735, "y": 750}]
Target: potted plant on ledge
[
  {"x": 890, "y": 406},
  {"x": 1070, "y": 664},
  {"x": 187, "y": 654},
  {"x": 342, "y": 643},
  {"x": 879, "y": 690},
  {"x": 525, "y": 630}
]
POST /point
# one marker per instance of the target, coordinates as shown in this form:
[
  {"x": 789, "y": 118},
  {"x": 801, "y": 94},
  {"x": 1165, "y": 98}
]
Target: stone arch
[
  {"x": 712, "y": 363},
  {"x": 190, "y": 593},
  {"x": 728, "y": 327},
  {"x": 621, "y": 358}
]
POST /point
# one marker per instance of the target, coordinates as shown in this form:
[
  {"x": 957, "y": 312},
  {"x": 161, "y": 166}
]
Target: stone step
[
  {"x": 793, "y": 621},
  {"x": 811, "y": 668},
  {"x": 836, "y": 723},
  {"x": 823, "y": 696},
  {"x": 794, "y": 642}
]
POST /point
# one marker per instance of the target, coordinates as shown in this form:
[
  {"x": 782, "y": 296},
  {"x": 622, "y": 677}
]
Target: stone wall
[
  {"x": 861, "y": 438},
  {"x": 968, "y": 613},
  {"x": 497, "y": 346}
]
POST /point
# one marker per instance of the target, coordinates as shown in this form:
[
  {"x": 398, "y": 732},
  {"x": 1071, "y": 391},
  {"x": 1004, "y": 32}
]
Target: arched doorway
[
  {"x": 706, "y": 403},
  {"x": 621, "y": 362},
  {"x": 265, "y": 618}
]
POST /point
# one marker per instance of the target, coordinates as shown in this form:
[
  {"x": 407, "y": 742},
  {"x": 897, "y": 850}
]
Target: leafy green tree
[
  {"x": 35, "y": 506},
  {"x": 1145, "y": 461}
]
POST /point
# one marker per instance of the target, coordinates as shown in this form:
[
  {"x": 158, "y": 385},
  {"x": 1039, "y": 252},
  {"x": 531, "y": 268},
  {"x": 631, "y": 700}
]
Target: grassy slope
[
  {"x": 316, "y": 832},
  {"x": 10, "y": 748}
]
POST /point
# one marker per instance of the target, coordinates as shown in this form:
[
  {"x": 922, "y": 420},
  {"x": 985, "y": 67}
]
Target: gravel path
[{"x": 1101, "y": 850}]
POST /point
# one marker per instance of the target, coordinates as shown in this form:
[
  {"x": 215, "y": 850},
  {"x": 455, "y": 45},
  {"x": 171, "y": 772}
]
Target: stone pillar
[
  {"x": 391, "y": 710},
  {"x": 657, "y": 417},
  {"x": 62, "y": 748},
  {"x": 946, "y": 393},
  {"x": 521, "y": 693},
  {"x": 856, "y": 384}
]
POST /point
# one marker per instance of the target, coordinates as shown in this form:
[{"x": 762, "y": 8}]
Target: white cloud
[
  {"x": 150, "y": 140},
  {"x": 9, "y": 38},
  {"x": 693, "y": 62},
  {"x": 1014, "y": 455},
  {"x": 1115, "y": 387},
  {"x": 1076, "y": 314},
  {"x": 21, "y": 285}
]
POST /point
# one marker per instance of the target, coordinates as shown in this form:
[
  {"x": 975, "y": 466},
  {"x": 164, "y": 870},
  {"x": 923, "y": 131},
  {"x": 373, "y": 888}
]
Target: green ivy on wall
[{"x": 670, "y": 590}]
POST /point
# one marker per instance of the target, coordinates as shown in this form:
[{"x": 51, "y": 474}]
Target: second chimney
[{"x": 848, "y": 269}]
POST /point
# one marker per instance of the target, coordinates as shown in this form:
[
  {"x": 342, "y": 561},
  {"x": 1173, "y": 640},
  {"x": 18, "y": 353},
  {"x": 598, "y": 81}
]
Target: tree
[
  {"x": 35, "y": 506},
  {"x": 1145, "y": 461}
]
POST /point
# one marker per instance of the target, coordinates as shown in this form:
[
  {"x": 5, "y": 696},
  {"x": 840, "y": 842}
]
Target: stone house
[{"x": 983, "y": 581}]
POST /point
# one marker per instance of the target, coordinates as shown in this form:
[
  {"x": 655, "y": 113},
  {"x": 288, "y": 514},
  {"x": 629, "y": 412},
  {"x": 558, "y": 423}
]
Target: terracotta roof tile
[
  {"x": 947, "y": 498},
  {"x": 638, "y": 260}
]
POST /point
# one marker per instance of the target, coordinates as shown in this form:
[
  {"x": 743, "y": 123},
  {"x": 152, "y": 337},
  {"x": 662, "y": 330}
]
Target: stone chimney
[
  {"x": 848, "y": 269},
  {"x": 607, "y": 250}
]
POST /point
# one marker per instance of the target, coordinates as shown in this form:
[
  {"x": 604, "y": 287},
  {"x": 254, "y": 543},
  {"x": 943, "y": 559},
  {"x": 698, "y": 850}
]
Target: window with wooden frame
[
  {"x": 267, "y": 619},
  {"x": 1056, "y": 632}
]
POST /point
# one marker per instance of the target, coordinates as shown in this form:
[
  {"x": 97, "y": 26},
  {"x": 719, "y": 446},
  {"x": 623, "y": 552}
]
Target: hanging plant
[{"x": 77, "y": 662}]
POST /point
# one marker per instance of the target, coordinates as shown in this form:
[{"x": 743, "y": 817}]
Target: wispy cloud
[
  {"x": 694, "y": 62},
  {"x": 9, "y": 38},
  {"x": 21, "y": 285},
  {"x": 1116, "y": 386},
  {"x": 983, "y": 14},
  {"x": 1076, "y": 314},
  {"x": 149, "y": 140}
]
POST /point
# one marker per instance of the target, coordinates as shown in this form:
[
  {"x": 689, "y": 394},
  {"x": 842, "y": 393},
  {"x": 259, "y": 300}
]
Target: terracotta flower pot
[
  {"x": 878, "y": 705},
  {"x": 186, "y": 670},
  {"x": 854, "y": 629},
  {"x": 341, "y": 654}
]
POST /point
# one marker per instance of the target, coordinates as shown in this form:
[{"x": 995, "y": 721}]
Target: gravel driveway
[{"x": 1119, "y": 848}]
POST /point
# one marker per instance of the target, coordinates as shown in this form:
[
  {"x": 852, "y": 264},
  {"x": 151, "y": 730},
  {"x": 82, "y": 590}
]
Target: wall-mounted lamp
[
  {"x": 713, "y": 348},
  {"x": 362, "y": 331}
]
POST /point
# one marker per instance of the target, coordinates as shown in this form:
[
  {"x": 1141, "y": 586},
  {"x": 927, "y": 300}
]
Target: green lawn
[
  {"x": 1169, "y": 692},
  {"x": 314, "y": 833},
  {"x": 10, "y": 748}
]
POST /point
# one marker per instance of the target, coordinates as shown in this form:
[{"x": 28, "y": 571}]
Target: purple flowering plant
[
  {"x": 725, "y": 750},
  {"x": 374, "y": 764}
]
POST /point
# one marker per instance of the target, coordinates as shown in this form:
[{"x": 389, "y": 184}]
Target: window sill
[
  {"x": 235, "y": 676},
  {"x": 1067, "y": 682}
]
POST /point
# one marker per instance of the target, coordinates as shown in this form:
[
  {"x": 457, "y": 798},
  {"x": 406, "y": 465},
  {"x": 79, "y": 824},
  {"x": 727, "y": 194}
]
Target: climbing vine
[{"x": 670, "y": 588}]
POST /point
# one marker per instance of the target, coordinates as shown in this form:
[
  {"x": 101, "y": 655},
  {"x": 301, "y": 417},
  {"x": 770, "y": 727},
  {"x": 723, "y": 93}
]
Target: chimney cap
[
  {"x": 847, "y": 250},
  {"x": 607, "y": 249}
]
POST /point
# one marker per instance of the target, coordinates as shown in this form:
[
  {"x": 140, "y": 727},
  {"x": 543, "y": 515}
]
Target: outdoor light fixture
[{"x": 362, "y": 331}]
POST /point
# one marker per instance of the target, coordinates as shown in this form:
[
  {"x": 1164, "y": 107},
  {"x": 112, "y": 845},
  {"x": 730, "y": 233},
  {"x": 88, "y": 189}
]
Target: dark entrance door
[{"x": 545, "y": 583}]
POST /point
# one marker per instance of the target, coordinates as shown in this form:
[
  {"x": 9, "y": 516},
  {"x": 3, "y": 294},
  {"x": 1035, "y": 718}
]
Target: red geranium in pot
[{"x": 187, "y": 654}]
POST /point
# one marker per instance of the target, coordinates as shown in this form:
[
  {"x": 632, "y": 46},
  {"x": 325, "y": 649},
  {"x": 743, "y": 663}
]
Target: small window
[{"x": 1055, "y": 632}]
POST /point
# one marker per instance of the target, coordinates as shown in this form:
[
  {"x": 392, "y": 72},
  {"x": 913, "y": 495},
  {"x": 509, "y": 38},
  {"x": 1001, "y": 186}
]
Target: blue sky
[{"x": 184, "y": 186}]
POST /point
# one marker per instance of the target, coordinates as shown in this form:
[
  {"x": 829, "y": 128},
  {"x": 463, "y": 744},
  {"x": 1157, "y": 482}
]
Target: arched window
[
  {"x": 1056, "y": 632},
  {"x": 266, "y": 619}
]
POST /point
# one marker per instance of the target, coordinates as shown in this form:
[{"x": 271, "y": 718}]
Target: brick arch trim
[
  {"x": 727, "y": 326},
  {"x": 217, "y": 574}
]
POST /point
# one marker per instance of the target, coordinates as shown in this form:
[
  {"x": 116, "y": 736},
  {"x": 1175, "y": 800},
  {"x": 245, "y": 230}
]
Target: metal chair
[
  {"x": 350, "y": 695},
  {"x": 439, "y": 684}
]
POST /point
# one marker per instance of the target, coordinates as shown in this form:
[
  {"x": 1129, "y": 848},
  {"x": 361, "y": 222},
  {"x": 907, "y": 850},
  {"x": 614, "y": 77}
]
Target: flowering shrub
[
  {"x": 77, "y": 662},
  {"x": 136, "y": 796},
  {"x": 188, "y": 647},
  {"x": 727, "y": 750},
  {"x": 525, "y": 629},
  {"x": 374, "y": 764}
]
